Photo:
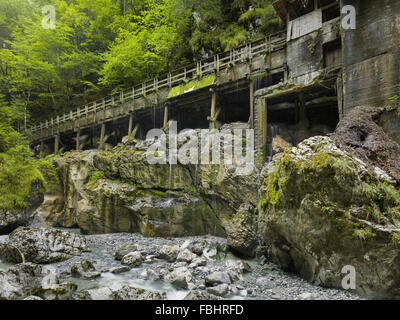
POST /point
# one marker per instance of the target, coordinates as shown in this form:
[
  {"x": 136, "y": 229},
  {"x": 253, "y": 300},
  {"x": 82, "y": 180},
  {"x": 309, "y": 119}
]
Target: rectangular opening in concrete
[
  {"x": 298, "y": 116},
  {"x": 332, "y": 52}
]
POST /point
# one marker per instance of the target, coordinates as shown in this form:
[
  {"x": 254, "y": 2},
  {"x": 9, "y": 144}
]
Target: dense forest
[
  {"x": 99, "y": 46},
  {"x": 58, "y": 54}
]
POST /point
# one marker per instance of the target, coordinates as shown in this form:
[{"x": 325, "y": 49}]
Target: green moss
[
  {"x": 363, "y": 234},
  {"x": 191, "y": 86},
  {"x": 396, "y": 237},
  {"x": 96, "y": 175}
]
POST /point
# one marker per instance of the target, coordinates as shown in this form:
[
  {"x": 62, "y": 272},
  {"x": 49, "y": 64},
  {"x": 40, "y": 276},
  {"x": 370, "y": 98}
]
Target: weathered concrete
[{"x": 371, "y": 54}]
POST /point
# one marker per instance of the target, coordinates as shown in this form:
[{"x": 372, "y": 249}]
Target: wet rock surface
[
  {"x": 155, "y": 277},
  {"x": 41, "y": 245},
  {"x": 322, "y": 209},
  {"x": 23, "y": 280}
]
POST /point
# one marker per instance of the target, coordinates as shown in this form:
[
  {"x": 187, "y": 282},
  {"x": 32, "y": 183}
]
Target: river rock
[
  {"x": 186, "y": 256},
  {"x": 218, "y": 277},
  {"x": 322, "y": 211},
  {"x": 150, "y": 274},
  {"x": 131, "y": 293},
  {"x": 180, "y": 277},
  {"x": 100, "y": 293},
  {"x": 242, "y": 235},
  {"x": 133, "y": 259},
  {"x": 23, "y": 280},
  {"x": 198, "y": 262},
  {"x": 33, "y": 298},
  {"x": 84, "y": 269},
  {"x": 201, "y": 295},
  {"x": 63, "y": 291},
  {"x": 169, "y": 253},
  {"x": 41, "y": 245},
  {"x": 306, "y": 296},
  {"x": 120, "y": 269},
  {"x": 236, "y": 269},
  {"x": 220, "y": 290},
  {"x": 124, "y": 249}
]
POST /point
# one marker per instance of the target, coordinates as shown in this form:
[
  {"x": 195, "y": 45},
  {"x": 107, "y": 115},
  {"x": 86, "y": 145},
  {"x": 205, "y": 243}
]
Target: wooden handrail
[{"x": 207, "y": 66}]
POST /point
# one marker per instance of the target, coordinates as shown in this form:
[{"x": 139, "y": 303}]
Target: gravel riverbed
[{"x": 263, "y": 282}]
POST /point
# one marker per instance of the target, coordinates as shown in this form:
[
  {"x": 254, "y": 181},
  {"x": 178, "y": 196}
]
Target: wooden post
[
  {"x": 303, "y": 123},
  {"x": 213, "y": 103},
  {"x": 102, "y": 135},
  {"x": 130, "y": 124},
  {"x": 56, "y": 143},
  {"x": 265, "y": 129},
  {"x": 251, "y": 104},
  {"x": 165, "y": 123},
  {"x": 41, "y": 147},
  {"x": 78, "y": 136},
  {"x": 315, "y": 4}
]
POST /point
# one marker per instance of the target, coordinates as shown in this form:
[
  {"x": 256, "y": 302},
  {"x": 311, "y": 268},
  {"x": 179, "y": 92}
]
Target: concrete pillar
[
  {"x": 303, "y": 124},
  {"x": 78, "y": 137},
  {"x": 130, "y": 126},
  {"x": 56, "y": 143},
  {"x": 165, "y": 122},
  {"x": 264, "y": 129},
  {"x": 260, "y": 131},
  {"x": 251, "y": 104},
  {"x": 102, "y": 136},
  {"x": 213, "y": 104},
  {"x": 41, "y": 147}
]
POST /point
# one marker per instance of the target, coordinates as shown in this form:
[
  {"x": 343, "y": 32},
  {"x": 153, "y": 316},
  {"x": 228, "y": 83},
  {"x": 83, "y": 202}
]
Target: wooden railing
[{"x": 208, "y": 66}]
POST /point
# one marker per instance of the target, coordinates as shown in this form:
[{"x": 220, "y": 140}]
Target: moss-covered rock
[
  {"x": 242, "y": 234},
  {"x": 321, "y": 209},
  {"x": 22, "y": 215},
  {"x": 120, "y": 191}
]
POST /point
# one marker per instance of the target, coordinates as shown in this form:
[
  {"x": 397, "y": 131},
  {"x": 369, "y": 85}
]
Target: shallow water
[
  {"x": 73, "y": 230},
  {"x": 115, "y": 282}
]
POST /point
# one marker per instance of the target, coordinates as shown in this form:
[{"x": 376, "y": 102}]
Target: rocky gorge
[{"x": 116, "y": 228}]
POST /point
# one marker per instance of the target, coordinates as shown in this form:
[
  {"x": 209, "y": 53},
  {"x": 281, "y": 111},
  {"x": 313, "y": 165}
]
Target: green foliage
[
  {"x": 363, "y": 234},
  {"x": 100, "y": 46},
  {"x": 18, "y": 172},
  {"x": 97, "y": 175},
  {"x": 48, "y": 171},
  {"x": 18, "y": 169}
]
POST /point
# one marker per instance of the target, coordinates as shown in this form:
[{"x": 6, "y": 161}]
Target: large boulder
[
  {"x": 11, "y": 219},
  {"x": 133, "y": 259},
  {"x": 97, "y": 293},
  {"x": 24, "y": 280},
  {"x": 41, "y": 245},
  {"x": 242, "y": 236},
  {"x": 75, "y": 170},
  {"x": 131, "y": 293},
  {"x": 197, "y": 295},
  {"x": 124, "y": 249},
  {"x": 179, "y": 277},
  {"x": 321, "y": 210},
  {"x": 84, "y": 269},
  {"x": 120, "y": 191},
  {"x": 62, "y": 291}
]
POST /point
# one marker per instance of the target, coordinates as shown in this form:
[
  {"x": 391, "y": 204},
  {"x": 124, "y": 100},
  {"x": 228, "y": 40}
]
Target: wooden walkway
[{"x": 239, "y": 63}]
